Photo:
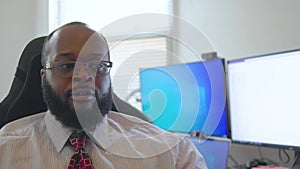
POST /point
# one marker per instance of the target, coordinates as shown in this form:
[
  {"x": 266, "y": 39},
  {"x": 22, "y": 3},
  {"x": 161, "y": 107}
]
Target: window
[{"x": 137, "y": 35}]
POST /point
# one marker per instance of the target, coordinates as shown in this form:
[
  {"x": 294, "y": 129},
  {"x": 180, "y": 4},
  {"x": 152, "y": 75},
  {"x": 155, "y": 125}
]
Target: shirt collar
[{"x": 58, "y": 133}]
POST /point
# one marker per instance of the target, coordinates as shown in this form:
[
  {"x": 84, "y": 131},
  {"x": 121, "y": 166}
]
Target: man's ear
[{"x": 42, "y": 73}]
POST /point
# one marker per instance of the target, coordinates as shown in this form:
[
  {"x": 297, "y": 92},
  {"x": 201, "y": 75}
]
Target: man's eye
[
  {"x": 94, "y": 66},
  {"x": 66, "y": 66},
  {"x": 103, "y": 65}
]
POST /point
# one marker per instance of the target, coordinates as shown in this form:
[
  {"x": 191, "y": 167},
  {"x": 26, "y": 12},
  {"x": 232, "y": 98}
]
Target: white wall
[
  {"x": 21, "y": 21},
  {"x": 236, "y": 29}
]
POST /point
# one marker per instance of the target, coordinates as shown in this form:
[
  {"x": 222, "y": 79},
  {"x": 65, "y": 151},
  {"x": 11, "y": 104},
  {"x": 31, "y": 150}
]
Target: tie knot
[
  {"x": 78, "y": 140},
  {"x": 80, "y": 159}
]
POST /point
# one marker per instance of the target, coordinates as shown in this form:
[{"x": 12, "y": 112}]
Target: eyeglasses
[{"x": 66, "y": 69}]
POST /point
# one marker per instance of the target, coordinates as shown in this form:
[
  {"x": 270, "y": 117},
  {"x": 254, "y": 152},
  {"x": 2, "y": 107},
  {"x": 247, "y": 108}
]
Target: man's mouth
[{"x": 82, "y": 95}]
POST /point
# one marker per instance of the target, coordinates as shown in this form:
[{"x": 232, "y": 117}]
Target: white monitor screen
[{"x": 264, "y": 99}]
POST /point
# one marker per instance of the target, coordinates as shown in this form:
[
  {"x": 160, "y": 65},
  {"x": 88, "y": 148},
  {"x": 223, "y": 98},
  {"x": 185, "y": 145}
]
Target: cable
[
  {"x": 266, "y": 160},
  {"x": 234, "y": 161},
  {"x": 295, "y": 159},
  {"x": 286, "y": 154},
  {"x": 260, "y": 152}
]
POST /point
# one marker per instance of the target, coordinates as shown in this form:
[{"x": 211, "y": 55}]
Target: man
[{"x": 79, "y": 130}]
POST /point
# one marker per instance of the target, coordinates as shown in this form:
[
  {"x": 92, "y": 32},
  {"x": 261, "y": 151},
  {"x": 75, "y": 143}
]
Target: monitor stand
[{"x": 297, "y": 162}]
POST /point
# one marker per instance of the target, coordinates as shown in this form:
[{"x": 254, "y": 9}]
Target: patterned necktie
[{"x": 81, "y": 159}]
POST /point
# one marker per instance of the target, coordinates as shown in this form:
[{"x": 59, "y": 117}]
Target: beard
[{"x": 68, "y": 116}]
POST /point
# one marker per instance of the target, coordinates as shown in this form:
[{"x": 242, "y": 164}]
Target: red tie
[{"x": 81, "y": 159}]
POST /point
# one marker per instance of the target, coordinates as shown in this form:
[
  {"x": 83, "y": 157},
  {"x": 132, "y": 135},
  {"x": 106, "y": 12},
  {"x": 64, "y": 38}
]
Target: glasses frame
[{"x": 55, "y": 66}]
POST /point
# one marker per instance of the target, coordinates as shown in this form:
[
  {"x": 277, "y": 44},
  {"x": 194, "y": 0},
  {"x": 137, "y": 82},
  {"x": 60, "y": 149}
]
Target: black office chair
[{"x": 25, "y": 96}]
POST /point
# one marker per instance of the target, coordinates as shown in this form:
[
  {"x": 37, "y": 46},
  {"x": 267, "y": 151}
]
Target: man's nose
[{"x": 81, "y": 73}]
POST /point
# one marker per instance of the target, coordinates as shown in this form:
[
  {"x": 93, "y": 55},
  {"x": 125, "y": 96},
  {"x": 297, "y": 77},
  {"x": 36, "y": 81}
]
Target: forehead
[{"x": 77, "y": 42}]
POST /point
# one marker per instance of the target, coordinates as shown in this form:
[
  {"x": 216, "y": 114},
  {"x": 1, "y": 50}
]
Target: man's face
[{"x": 85, "y": 92}]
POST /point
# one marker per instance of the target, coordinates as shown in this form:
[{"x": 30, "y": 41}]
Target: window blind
[{"x": 129, "y": 57}]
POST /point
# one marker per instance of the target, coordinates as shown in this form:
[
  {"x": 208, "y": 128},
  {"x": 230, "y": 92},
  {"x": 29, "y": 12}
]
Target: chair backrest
[{"x": 25, "y": 96}]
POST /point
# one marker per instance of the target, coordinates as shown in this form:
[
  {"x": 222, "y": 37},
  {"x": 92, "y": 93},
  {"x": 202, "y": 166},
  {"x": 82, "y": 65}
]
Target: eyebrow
[
  {"x": 98, "y": 54},
  {"x": 65, "y": 55},
  {"x": 72, "y": 56}
]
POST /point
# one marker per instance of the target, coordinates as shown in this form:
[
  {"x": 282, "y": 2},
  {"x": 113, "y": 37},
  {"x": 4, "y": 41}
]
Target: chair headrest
[{"x": 26, "y": 88}]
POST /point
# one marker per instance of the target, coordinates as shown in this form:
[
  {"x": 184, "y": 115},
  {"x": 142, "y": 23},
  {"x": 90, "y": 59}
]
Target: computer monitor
[
  {"x": 186, "y": 97},
  {"x": 215, "y": 151},
  {"x": 264, "y": 97}
]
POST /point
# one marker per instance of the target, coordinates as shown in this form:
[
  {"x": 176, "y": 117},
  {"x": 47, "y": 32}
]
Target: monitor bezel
[
  {"x": 246, "y": 142},
  {"x": 223, "y": 61}
]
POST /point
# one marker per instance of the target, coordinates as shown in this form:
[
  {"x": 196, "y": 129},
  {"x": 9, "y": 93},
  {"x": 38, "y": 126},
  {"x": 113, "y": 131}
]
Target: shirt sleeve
[{"x": 189, "y": 157}]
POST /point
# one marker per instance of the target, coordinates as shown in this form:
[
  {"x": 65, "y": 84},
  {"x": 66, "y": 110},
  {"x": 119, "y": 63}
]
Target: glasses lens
[
  {"x": 64, "y": 69},
  {"x": 93, "y": 67}
]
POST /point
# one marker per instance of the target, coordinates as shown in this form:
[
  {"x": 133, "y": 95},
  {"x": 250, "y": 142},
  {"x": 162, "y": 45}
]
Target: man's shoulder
[
  {"x": 129, "y": 122},
  {"x": 143, "y": 134},
  {"x": 22, "y": 126},
  {"x": 138, "y": 128},
  {"x": 118, "y": 116}
]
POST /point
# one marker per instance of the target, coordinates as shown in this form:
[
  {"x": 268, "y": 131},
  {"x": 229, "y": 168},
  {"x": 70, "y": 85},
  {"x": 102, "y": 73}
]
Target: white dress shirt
[{"x": 119, "y": 141}]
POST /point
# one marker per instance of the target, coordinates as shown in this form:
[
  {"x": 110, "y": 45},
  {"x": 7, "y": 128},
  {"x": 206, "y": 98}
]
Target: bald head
[{"x": 76, "y": 35}]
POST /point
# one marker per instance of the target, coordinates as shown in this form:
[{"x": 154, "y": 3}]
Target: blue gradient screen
[
  {"x": 215, "y": 152},
  {"x": 186, "y": 97}
]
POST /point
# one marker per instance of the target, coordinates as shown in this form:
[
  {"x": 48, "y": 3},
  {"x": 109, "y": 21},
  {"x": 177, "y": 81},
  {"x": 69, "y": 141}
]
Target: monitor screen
[
  {"x": 214, "y": 151},
  {"x": 186, "y": 97},
  {"x": 264, "y": 97}
]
